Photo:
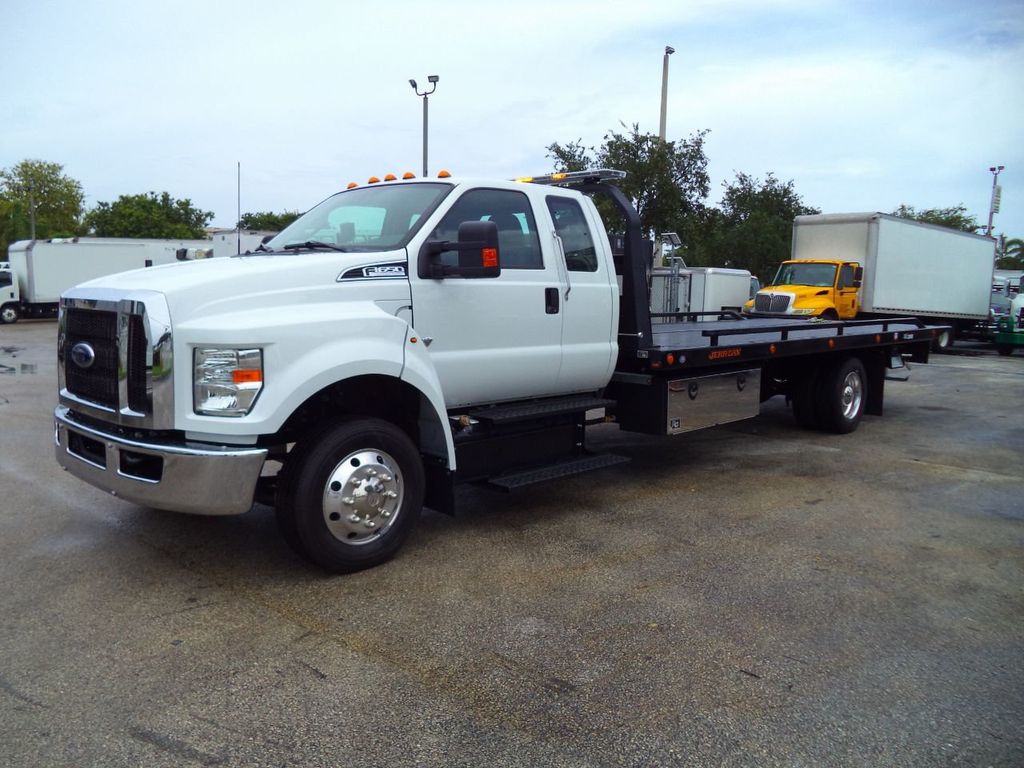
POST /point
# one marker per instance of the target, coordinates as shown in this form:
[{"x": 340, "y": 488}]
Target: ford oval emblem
[{"x": 83, "y": 355}]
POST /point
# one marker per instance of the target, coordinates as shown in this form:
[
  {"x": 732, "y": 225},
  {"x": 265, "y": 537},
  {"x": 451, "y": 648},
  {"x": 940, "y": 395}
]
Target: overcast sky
[{"x": 864, "y": 105}]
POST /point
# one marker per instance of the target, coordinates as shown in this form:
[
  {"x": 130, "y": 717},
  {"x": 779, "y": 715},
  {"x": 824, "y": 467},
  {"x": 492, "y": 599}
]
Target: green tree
[
  {"x": 666, "y": 180},
  {"x": 954, "y": 218},
  {"x": 265, "y": 221},
  {"x": 753, "y": 228},
  {"x": 148, "y": 215},
  {"x": 1013, "y": 254},
  {"x": 39, "y": 193}
]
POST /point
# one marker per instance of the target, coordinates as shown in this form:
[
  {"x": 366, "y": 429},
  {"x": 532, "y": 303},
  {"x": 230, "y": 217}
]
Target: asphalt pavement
[{"x": 750, "y": 595}]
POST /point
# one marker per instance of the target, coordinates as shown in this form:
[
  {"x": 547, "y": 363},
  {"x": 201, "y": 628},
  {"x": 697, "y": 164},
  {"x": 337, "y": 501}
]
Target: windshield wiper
[{"x": 314, "y": 244}]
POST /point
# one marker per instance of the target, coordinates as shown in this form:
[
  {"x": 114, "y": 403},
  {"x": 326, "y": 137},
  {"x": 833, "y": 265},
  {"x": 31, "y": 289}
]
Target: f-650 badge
[{"x": 390, "y": 270}]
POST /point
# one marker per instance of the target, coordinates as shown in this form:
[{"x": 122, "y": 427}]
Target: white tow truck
[{"x": 403, "y": 337}]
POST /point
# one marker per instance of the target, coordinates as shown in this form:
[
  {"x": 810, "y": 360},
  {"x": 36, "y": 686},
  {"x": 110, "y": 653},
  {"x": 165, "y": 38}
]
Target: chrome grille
[
  {"x": 98, "y": 382},
  {"x": 771, "y": 302}
]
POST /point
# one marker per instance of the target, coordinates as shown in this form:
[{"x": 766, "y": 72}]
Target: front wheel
[
  {"x": 9, "y": 314},
  {"x": 351, "y": 495},
  {"x": 1004, "y": 350}
]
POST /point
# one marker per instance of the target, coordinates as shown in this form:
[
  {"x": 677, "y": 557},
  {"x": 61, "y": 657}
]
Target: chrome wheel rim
[
  {"x": 363, "y": 496},
  {"x": 852, "y": 395}
]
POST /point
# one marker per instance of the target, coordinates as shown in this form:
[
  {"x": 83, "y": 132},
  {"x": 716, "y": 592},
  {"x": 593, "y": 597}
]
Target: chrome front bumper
[{"x": 194, "y": 478}]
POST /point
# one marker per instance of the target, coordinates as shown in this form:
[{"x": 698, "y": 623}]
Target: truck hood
[
  {"x": 800, "y": 291},
  {"x": 199, "y": 288}
]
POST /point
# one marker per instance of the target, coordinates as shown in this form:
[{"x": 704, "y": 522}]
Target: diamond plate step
[
  {"x": 500, "y": 414},
  {"x": 554, "y": 471}
]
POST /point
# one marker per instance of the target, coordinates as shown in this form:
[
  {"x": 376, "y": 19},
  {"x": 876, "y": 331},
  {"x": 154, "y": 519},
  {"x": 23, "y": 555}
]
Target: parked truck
[
  {"x": 849, "y": 265},
  {"x": 404, "y": 337},
  {"x": 40, "y": 270}
]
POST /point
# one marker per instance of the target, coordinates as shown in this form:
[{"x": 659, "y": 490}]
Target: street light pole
[
  {"x": 669, "y": 50},
  {"x": 995, "y": 170},
  {"x": 432, "y": 79}
]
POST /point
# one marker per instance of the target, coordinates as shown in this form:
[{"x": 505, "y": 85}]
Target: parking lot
[{"x": 751, "y": 595}]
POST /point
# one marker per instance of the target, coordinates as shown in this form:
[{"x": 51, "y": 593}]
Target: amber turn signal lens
[{"x": 246, "y": 376}]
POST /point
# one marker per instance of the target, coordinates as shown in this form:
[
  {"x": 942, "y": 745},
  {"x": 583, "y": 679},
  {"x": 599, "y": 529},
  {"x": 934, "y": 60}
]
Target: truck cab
[{"x": 824, "y": 289}]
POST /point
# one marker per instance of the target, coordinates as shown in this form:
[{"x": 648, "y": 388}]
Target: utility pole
[
  {"x": 432, "y": 79},
  {"x": 669, "y": 50},
  {"x": 993, "y": 203}
]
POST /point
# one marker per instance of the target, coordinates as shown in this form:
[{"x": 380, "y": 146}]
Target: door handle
[{"x": 551, "y": 301}]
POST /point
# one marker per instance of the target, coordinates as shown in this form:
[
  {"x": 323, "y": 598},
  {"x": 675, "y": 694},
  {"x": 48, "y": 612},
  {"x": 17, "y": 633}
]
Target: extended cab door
[
  {"x": 590, "y": 318},
  {"x": 493, "y": 339}
]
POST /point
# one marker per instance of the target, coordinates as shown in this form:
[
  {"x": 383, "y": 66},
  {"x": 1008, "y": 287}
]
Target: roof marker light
[
  {"x": 574, "y": 177},
  {"x": 373, "y": 180},
  {"x": 351, "y": 185},
  {"x": 408, "y": 175},
  {"x": 443, "y": 175},
  {"x": 391, "y": 177}
]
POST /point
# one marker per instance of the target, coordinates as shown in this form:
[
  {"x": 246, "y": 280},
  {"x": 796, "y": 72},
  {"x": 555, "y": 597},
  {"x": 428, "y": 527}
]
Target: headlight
[
  {"x": 803, "y": 311},
  {"x": 226, "y": 382}
]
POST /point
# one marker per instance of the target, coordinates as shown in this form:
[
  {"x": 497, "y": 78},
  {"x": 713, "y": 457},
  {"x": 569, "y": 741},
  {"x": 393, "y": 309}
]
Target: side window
[
  {"x": 518, "y": 242},
  {"x": 571, "y": 226},
  {"x": 846, "y": 276},
  {"x": 5, "y": 278}
]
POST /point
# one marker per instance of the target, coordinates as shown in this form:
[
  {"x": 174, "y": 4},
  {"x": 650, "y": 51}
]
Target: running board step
[
  {"x": 515, "y": 480},
  {"x": 503, "y": 414}
]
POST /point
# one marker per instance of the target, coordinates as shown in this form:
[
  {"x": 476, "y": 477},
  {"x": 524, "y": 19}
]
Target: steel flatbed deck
[{"x": 733, "y": 338}]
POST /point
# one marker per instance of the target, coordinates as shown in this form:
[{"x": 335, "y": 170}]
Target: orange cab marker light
[
  {"x": 878, "y": 338},
  {"x": 670, "y": 359},
  {"x": 560, "y": 177},
  {"x": 524, "y": 179},
  {"x": 413, "y": 339},
  {"x": 408, "y": 175},
  {"x": 443, "y": 175},
  {"x": 373, "y": 180},
  {"x": 246, "y": 376},
  {"x": 831, "y": 343},
  {"x": 351, "y": 185},
  {"x": 489, "y": 257},
  {"x": 391, "y": 177},
  {"x": 772, "y": 349}
]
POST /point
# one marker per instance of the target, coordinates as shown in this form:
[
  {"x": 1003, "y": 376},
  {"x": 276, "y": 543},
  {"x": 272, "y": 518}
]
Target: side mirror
[
  {"x": 858, "y": 274},
  {"x": 477, "y": 249}
]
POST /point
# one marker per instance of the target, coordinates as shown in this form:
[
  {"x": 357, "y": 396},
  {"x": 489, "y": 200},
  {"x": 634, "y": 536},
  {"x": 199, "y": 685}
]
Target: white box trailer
[
  {"x": 41, "y": 270},
  {"x": 679, "y": 289},
  {"x": 910, "y": 268}
]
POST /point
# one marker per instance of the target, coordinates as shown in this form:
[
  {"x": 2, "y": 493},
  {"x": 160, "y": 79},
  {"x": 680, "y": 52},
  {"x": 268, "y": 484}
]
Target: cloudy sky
[{"x": 864, "y": 105}]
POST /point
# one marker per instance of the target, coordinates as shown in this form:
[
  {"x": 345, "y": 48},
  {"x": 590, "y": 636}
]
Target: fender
[
  {"x": 302, "y": 354},
  {"x": 419, "y": 371}
]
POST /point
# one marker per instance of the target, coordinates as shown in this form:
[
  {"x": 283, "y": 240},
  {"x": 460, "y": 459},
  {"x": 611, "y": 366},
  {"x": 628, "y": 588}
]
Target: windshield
[
  {"x": 364, "y": 219},
  {"x": 793, "y": 273}
]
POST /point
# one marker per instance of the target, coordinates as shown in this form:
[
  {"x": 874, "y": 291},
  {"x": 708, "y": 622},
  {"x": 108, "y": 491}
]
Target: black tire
[
  {"x": 804, "y": 397},
  {"x": 842, "y": 394},
  {"x": 350, "y": 495},
  {"x": 1004, "y": 350},
  {"x": 9, "y": 314},
  {"x": 943, "y": 342},
  {"x": 830, "y": 315}
]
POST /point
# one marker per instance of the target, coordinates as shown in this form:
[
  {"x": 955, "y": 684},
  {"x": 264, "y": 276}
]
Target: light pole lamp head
[
  {"x": 432, "y": 78},
  {"x": 413, "y": 84},
  {"x": 669, "y": 50}
]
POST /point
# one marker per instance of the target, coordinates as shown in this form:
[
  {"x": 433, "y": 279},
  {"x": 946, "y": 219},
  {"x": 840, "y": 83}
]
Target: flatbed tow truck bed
[{"x": 686, "y": 345}]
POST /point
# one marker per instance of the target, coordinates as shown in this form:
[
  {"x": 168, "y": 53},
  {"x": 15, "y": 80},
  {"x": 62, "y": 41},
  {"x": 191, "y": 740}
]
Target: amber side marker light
[
  {"x": 772, "y": 349},
  {"x": 246, "y": 376},
  {"x": 443, "y": 175},
  {"x": 831, "y": 343},
  {"x": 489, "y": 256}
]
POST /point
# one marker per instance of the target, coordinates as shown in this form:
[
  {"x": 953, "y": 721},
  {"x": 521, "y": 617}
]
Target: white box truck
[
  {"x": 41, "y": 270},
  {"x": 848, "y": 265}
]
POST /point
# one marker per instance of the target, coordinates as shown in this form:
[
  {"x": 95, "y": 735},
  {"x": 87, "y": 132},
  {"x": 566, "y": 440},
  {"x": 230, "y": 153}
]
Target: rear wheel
[
  {"x": 943, "y": 342},
  {"x": 841, "y": 396},
  {"x": 350, "y": 496},
  {"x": 1004, "y": 350}
]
